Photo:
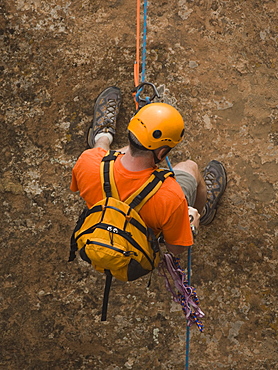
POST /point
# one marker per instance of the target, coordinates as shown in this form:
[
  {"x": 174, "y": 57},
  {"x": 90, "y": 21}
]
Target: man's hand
[{"x": 194, "y": 216}]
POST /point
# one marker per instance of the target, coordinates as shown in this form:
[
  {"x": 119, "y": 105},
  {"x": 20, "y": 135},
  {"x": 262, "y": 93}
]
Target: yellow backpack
[{"x": 112, "y": 236}]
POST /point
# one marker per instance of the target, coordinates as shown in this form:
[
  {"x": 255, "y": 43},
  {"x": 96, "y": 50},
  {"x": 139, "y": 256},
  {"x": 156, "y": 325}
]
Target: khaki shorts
[{"x": 188, "y": 184}]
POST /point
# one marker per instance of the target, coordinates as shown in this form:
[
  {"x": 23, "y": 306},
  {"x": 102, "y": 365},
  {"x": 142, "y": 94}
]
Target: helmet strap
[
  {"x": 156, "y": 159},
  {"x": 140, "y": 147}
]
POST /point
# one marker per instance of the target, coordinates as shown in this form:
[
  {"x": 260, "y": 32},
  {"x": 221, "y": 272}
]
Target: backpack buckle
[
  {"x": 136, "y": 201},
  {"x": 111, "y": 156}
]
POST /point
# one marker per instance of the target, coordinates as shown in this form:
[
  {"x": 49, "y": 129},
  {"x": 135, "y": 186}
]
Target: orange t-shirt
[{"x": 165, "y": 211}]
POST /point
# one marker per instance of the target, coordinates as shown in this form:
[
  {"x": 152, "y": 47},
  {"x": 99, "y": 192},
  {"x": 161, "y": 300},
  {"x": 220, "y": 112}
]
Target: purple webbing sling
[{"x": 186, "y": 294}]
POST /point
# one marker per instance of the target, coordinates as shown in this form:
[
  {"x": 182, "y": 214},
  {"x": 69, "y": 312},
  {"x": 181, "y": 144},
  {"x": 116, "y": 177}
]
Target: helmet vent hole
[
  {"x": 157, "y": 134},
  {"x": 182, "y": 133}
]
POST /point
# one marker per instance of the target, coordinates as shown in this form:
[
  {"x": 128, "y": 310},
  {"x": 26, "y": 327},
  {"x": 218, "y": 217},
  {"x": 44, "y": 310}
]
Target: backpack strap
[
  {"x": 107, "y": 175},
  {"x": 73, "y": 244},
  {"x": 148, "y": 189},
  {"x": 108, "y": 282},
  {"x": 142, "y": 195}
]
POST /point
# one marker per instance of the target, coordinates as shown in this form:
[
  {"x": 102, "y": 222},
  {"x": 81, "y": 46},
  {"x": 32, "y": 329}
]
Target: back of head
[{"x": 156, "y": 125}]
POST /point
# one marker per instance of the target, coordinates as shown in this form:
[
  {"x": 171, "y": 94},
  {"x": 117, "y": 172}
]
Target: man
[{"x": 152, "y": 132}]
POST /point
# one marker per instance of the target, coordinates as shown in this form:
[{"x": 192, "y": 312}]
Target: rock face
[{"x": 217, "y": 62}]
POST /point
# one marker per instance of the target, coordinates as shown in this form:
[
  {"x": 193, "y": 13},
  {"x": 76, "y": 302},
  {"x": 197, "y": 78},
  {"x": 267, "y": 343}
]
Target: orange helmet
[{"x": 156, "y": 125}]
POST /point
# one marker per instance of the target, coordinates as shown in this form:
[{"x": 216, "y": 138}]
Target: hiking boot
[
  {"x": 106, "y": 110},
  {"x": 216, "y": 181}
]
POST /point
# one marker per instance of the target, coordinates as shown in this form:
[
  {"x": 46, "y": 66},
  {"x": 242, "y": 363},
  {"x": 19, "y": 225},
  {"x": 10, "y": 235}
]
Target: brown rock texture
[{"x": 216, "y": 61}]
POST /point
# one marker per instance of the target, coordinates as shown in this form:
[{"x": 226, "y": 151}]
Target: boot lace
[{"x": 111, "y": 111}]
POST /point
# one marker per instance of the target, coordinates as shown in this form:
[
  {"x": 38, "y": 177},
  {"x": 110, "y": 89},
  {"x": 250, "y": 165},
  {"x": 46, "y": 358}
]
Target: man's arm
[
  {"x": 178, "y": 249},
  {"x": 175, "y": 249}
]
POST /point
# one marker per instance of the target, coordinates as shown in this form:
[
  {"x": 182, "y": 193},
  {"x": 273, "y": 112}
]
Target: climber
[{"x": 152, "y": 132}]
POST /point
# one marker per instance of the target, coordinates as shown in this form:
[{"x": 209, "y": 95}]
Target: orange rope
[{"x": 137, "y": 62}]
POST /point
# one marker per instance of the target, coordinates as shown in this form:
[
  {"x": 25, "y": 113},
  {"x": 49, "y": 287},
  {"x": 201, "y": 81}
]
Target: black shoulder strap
[
  {"x": 73, "y": 244},
  {"x": 108, "y": 282},
  {"x": 107, "y": 174}
]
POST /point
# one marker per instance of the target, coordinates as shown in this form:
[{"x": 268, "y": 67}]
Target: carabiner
[{"x": 139, "y": 89}]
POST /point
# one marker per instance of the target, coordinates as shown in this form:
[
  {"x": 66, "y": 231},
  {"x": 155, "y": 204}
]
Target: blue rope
[
  {"x": 187, "y": 340},
  {"x": 169, "y": 163},
  {"x": 144, "y": 51},
  {"x": 187, "y": 343},
  {"x": 187, "y": 348},
  {"x": 144, "y": 57},
  {"x": 189, "y": 266},
  {"x": 188, "y": 327}
]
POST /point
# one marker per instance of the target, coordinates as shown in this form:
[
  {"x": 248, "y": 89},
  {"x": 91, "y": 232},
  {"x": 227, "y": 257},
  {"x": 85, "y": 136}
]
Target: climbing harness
[{"x": 186, "y": 295}]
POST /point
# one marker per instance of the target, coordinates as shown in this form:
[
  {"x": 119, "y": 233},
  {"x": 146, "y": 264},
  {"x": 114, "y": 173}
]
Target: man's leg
[
  {"x": 209, "y": 187},
  {"x": 103, "y": 126},
  {"x": 201, "y": 190},
  {"x": 103, "y": 142},
  {"x": 216, "y": 181}
]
